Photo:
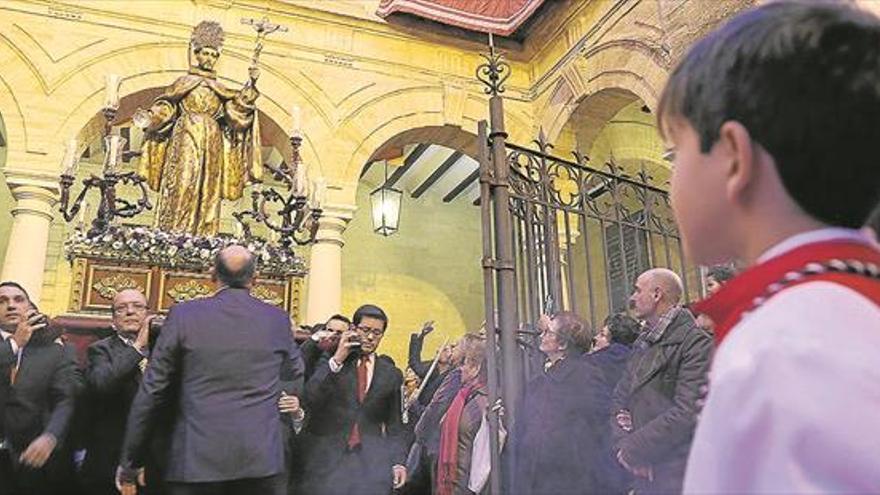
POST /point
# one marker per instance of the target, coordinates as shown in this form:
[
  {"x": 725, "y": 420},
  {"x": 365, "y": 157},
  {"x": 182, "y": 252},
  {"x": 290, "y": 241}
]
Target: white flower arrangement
[{"x": 138, "y": 244}]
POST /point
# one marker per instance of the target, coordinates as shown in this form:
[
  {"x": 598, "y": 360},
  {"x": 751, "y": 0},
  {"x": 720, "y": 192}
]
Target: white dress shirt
[
  {"x": 794, "y": 394},
  {"x": 4, "y": 335},
  {"x": 371, "y": 364}
]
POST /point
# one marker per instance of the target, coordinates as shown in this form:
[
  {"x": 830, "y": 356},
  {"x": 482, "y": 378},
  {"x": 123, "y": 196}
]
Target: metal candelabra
[
  {"x": 110, "y": 206},
  {"x": 298, "y": 215}
]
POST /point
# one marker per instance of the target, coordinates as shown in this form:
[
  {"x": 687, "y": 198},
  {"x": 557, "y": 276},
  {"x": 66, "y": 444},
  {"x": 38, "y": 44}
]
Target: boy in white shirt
[{"x": 774, "y": 122}]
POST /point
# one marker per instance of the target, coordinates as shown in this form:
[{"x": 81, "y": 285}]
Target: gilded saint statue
[{"x": 201, "y": 140}]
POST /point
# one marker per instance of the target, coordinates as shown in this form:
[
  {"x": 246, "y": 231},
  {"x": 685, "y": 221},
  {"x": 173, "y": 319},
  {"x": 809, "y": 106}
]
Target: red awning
[{"x": 501, "y": 17}]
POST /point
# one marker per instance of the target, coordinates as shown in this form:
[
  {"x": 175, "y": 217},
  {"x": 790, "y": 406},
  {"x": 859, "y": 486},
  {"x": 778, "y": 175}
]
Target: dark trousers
[
  {"x": 271, "y": 485},
  {"x": 54, "y": 478}
]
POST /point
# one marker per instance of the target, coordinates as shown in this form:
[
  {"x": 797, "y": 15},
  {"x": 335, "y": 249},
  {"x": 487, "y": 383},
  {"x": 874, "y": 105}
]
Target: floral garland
[{"x": 138, "y": 244}]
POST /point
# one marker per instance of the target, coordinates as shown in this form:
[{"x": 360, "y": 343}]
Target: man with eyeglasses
[
  {"x": 113, "y": 375},
  {"x": 357, "y": 443}
]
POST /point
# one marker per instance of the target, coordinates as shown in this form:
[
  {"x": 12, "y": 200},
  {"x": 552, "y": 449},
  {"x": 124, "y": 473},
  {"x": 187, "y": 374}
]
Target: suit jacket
[
  {"x": 331, "y": 401},
  {"x": 221, "y": 359},
  {"x": 112, "y": 380},
  {"x": 42, "y": 398},
  {"x": 661, "y": 387}
]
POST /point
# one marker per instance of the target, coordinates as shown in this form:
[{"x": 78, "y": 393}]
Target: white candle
[
  {"x": 296, "y": 130},
  {"x": 238, "y": 230},
  {"x": 70, "y": 158},
  {"x": 83, "y": 213},
  {"x": 111, "y": 88},
  {"x": 299, "y": 186},
  {"x": 112, "y": 153}
]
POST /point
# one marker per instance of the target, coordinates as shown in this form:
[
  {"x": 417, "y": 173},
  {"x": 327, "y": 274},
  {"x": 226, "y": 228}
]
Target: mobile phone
[{"x": 43, "y": 319}]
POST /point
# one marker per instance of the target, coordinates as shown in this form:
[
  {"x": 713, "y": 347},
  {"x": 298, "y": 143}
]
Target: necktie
[
  {"x": 13, "y": 372},
  {"x": 354, "y": 438}
]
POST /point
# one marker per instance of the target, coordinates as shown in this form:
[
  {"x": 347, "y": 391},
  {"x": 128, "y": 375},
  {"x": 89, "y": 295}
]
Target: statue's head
[{"x": 206, "y": 43}]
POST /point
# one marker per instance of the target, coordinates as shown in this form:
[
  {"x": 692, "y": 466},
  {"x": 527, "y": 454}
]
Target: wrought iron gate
[
  {"x": 581, "y": 235},
  {"x": 559, "y": 233}
]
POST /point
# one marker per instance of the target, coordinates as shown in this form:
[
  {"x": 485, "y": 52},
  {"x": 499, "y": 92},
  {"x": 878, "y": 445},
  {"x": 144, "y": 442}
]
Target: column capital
[
  {"x": 334, "y": 219},
  {"x": 35, "y": 192}
]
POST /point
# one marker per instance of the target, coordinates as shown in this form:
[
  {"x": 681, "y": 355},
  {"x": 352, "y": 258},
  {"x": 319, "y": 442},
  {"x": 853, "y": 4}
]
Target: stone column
[
  {"x": 325, "y": 265},
  {"x": 35, "y": 197}
]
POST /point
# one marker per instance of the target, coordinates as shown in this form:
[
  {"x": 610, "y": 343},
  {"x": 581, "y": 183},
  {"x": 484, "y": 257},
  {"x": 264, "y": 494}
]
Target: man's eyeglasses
[
  {"x": 122, "y": 309},
  {"x": 375, "y": 332}
]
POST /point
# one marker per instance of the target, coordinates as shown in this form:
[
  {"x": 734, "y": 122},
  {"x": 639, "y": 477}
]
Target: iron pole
[
  {"x": 489, "y": 305},
  {"x": 504, "y": 263}
]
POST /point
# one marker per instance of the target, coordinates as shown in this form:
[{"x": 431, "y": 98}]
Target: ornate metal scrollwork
[{"x": 494, "y": 72}]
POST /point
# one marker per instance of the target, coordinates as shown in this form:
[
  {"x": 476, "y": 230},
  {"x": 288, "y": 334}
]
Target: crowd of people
[{"x": 772, "y": 120}]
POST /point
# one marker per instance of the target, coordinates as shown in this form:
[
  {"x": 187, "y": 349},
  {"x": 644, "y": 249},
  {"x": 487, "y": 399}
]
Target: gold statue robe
[{"x": 201, "y": 146}]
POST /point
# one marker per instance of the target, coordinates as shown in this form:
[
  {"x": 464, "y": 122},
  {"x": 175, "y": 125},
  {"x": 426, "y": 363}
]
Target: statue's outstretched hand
[{"x": 141, "y": 118}]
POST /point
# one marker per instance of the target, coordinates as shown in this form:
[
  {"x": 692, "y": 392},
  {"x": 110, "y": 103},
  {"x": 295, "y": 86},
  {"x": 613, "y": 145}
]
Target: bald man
[
  {"x": 656, "y": 399},
  {"x": 113, "y": 375},
  {"x": 220, "y": 360}
]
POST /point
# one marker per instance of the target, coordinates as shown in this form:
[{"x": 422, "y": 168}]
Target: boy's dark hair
[
  {"x": 370, "y": 311},
  {"x": 721, "y": 273},
  {"x": 236, "y": 279},
  {"x": 624, "y": 329},
  {"x": 803, "y": 77}
]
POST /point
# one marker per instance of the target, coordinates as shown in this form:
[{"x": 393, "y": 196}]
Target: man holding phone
[
  {"x": 37, "y": 389},
  {"x": 353, "y": 398}
]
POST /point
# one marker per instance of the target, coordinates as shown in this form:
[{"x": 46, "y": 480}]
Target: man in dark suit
[
  {"x": 221, "y": 359},
  {"x": 113, "y": 375},
  {"x": 656, "y": 400},
  {"x": 353, "y": 399},
  {"x": 37, "y": 395}
]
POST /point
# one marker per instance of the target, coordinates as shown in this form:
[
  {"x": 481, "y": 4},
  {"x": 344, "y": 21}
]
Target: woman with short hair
[{"x": 556, "y": 439}]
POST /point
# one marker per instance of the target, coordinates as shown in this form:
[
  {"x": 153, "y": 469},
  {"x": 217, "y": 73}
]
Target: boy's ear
[{"x": 736, "y": 153}]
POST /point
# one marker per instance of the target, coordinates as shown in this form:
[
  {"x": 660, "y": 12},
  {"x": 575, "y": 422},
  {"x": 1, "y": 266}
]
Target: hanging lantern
[{"x": 386, "y": 202}]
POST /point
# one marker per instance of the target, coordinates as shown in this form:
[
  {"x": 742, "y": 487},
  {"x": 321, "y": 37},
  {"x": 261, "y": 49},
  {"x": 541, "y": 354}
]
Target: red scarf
[
  {"x": 447, "y": 462},
  {"x": 738, "y": 296}
]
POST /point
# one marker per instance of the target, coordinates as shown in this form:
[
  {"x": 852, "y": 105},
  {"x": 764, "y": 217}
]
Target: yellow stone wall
[
  {"x": 430, "y": 270},
  {"x": 361, "y": 83}
]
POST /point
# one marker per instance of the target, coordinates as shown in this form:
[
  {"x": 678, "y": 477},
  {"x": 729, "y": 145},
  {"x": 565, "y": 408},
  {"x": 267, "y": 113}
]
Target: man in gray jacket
[{"x": 655, "y": 402}]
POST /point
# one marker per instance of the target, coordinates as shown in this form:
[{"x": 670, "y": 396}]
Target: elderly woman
[
  {"x": 460, "y": 424},
  {"x": 555, "y": 443}
]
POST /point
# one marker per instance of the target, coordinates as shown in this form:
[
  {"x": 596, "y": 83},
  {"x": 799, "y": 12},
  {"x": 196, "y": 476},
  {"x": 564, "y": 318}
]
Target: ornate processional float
[{"x": 201, "y": 146}]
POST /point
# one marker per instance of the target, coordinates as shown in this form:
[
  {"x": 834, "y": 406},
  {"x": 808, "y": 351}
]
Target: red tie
[{"x": 354, "y": 438}]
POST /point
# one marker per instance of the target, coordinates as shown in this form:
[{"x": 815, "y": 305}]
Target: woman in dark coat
[
  {"x": 612, "y": 347},
  {"x": 556, "y": 439}
]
